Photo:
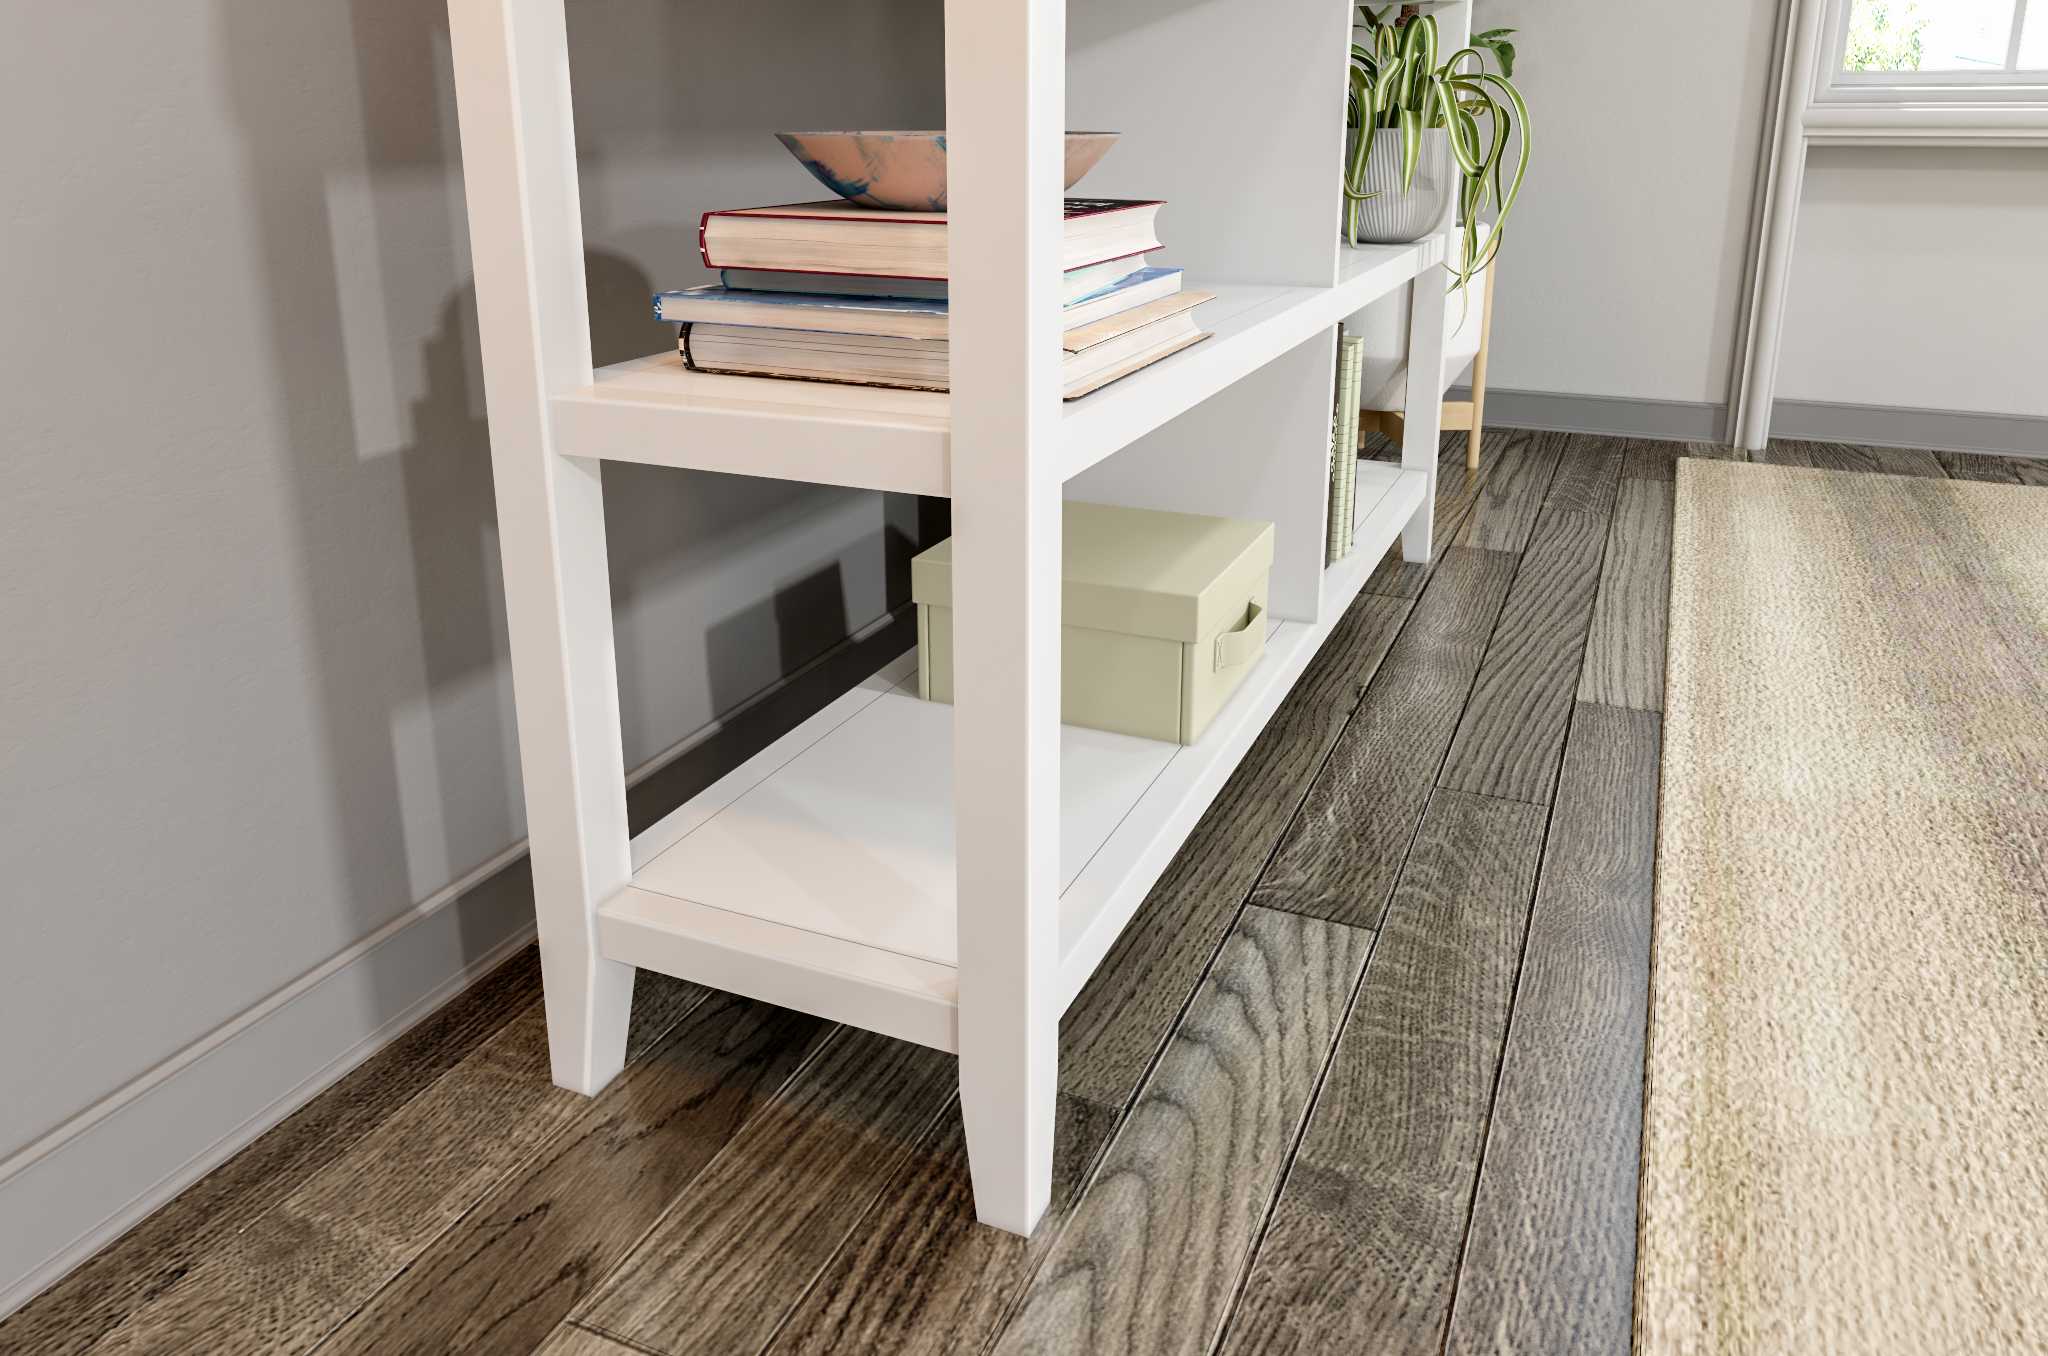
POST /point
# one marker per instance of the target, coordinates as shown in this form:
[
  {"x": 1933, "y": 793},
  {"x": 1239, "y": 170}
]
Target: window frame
[{"x": 1982, "y": 107}]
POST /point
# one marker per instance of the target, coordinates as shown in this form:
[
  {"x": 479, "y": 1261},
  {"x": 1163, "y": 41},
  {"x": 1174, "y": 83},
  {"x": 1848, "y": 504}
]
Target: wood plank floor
[{"x": 1363, "y": 1075}]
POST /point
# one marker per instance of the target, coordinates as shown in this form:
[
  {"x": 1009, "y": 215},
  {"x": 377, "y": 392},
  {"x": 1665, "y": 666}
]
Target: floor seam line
[
  {"x": 1501, "y": 1056},
  {"x": 912, "y": 1143},
  {"x": 1308, "y": 1111}
]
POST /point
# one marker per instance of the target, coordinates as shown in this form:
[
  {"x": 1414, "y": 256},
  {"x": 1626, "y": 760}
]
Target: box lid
[{"x": 1178, "y": 576}]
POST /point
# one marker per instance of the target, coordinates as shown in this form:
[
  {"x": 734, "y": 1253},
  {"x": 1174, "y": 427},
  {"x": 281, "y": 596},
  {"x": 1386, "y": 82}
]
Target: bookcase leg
[
  {"x": 1422, "y": 419},
  {"x": 1005, "y": 104},
  {"x": 556, "y": 586},
  {"x": 1006, "y": 780},
  {"x": 1009, "y": 1119},
  {"x": 526, "y": 238}
]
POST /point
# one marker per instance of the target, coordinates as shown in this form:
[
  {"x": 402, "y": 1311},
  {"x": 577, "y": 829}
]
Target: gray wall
[
  {"x": 1622, "y": 274},
  {"x": 1915, "y": 283},
  {"x": 253, "y": 692},
  {"x": 1918, "y": 280}
]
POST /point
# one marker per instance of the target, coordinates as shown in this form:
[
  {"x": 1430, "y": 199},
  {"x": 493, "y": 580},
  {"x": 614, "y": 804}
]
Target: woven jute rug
[{"x": 1846, "y": 1120}]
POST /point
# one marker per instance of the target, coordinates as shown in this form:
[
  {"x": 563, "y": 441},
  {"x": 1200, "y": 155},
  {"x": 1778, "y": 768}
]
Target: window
[
  {"x": 1955, "y": 72},
  {"x": 1951, "y": 41}
]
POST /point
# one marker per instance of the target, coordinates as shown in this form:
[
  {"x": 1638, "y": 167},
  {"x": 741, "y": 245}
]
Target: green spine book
[
  {"x": 1351, "y": 355},
  {"x": 1333, "y": 536}
]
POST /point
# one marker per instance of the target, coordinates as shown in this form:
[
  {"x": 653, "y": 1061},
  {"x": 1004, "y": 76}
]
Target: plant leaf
[
  {"x": 1507, "y": 199},
  {"x": 1496, "y": 157},
  {"x": 1473, "y": 54},
  {"x": 1418, "y": 46},
  {"x": 1475, "y": 166},
  {"x": 1384, "y": 95},
  {"x": 1411, "y": 145},
  {"x": 1464, "y": 143}
]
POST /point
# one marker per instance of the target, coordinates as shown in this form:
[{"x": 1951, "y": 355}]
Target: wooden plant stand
[{"x": 1469, "y": 415}]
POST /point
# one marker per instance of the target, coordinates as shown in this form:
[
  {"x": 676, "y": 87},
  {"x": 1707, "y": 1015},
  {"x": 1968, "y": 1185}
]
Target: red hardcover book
[{"x": 838, "y": 237}]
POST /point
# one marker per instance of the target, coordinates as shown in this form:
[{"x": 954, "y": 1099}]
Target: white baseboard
[
  {"x": 93, "y": 1178},
  {"x": 82, "y": 1185}
]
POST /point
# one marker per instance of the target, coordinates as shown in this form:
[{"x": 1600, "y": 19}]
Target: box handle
[{"x": 1243, "y": 644}]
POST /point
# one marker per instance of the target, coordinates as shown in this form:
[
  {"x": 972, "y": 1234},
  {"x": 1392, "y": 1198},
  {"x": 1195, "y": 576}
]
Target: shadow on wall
[
  {"x": 363, "y": 254},
  {"x": 807, "y": 615}
]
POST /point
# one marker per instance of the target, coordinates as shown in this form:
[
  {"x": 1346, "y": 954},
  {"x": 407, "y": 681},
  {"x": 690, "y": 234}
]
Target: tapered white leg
[
  {"x": 1422, "y": 419},
  {"x": 570, "y": 749},
  {"x": 1006, "y": 778},
  {"x": 526, "y": 238},
  {"x": 1005, "y": 104}
]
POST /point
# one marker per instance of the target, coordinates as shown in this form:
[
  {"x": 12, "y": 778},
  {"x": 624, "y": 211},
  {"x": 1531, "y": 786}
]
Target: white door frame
[{"x": 1814, "y": 108}]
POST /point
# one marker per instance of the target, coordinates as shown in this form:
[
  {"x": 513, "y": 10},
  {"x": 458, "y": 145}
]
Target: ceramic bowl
[{"x": 906, "y": 171}]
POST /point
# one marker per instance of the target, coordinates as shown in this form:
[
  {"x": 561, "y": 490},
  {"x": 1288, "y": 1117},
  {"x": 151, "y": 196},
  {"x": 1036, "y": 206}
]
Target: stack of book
[
  {"x": 1344, "y": 446},
  {"x": 830, "y": 291}
]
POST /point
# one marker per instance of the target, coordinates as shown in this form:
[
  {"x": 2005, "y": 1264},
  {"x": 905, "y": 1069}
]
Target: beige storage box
[{"x": 1161, "y": 615}]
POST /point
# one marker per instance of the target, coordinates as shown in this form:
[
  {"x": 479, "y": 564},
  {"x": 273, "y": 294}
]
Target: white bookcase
[{"x": 946, "y": 875}]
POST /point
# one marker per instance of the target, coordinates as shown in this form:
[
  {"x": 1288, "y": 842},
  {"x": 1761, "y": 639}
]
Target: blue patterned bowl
[{"x": 906, "y": 171}]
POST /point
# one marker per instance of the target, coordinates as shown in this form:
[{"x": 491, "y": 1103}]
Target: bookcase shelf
[
  {"x": 805, "y": 878},
  {"x": 948, "y": 875},
  {"x": 657, "y": 411},
  {"x": 654, "y": 410}
]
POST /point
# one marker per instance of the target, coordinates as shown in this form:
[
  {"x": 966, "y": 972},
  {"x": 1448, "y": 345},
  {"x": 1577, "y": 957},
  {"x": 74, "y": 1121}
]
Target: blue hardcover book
[
  {"x": 1075, "y": 283},
  {"x": 900, "y": 317}
]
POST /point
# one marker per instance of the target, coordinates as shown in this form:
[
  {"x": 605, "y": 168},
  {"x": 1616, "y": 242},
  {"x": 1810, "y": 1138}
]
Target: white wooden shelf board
[
  {"x": 819, "y": 874},
  {"x": 655, "y": 410},
  {"x": 1250, "y": 325}
]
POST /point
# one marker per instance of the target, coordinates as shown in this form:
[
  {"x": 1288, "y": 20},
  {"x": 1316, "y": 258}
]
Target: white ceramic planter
[{"x": 1394, "y": 214}]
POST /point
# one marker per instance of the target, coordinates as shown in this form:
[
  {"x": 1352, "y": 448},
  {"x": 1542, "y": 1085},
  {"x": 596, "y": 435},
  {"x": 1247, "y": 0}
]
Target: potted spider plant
[{"x": 1447, "y": 125}]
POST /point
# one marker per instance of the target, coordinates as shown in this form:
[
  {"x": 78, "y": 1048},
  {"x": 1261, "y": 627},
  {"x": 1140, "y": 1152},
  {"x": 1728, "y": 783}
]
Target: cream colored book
[
  {"x": 1092, "y": 355},
  {"x": 841, "y": 237}
]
